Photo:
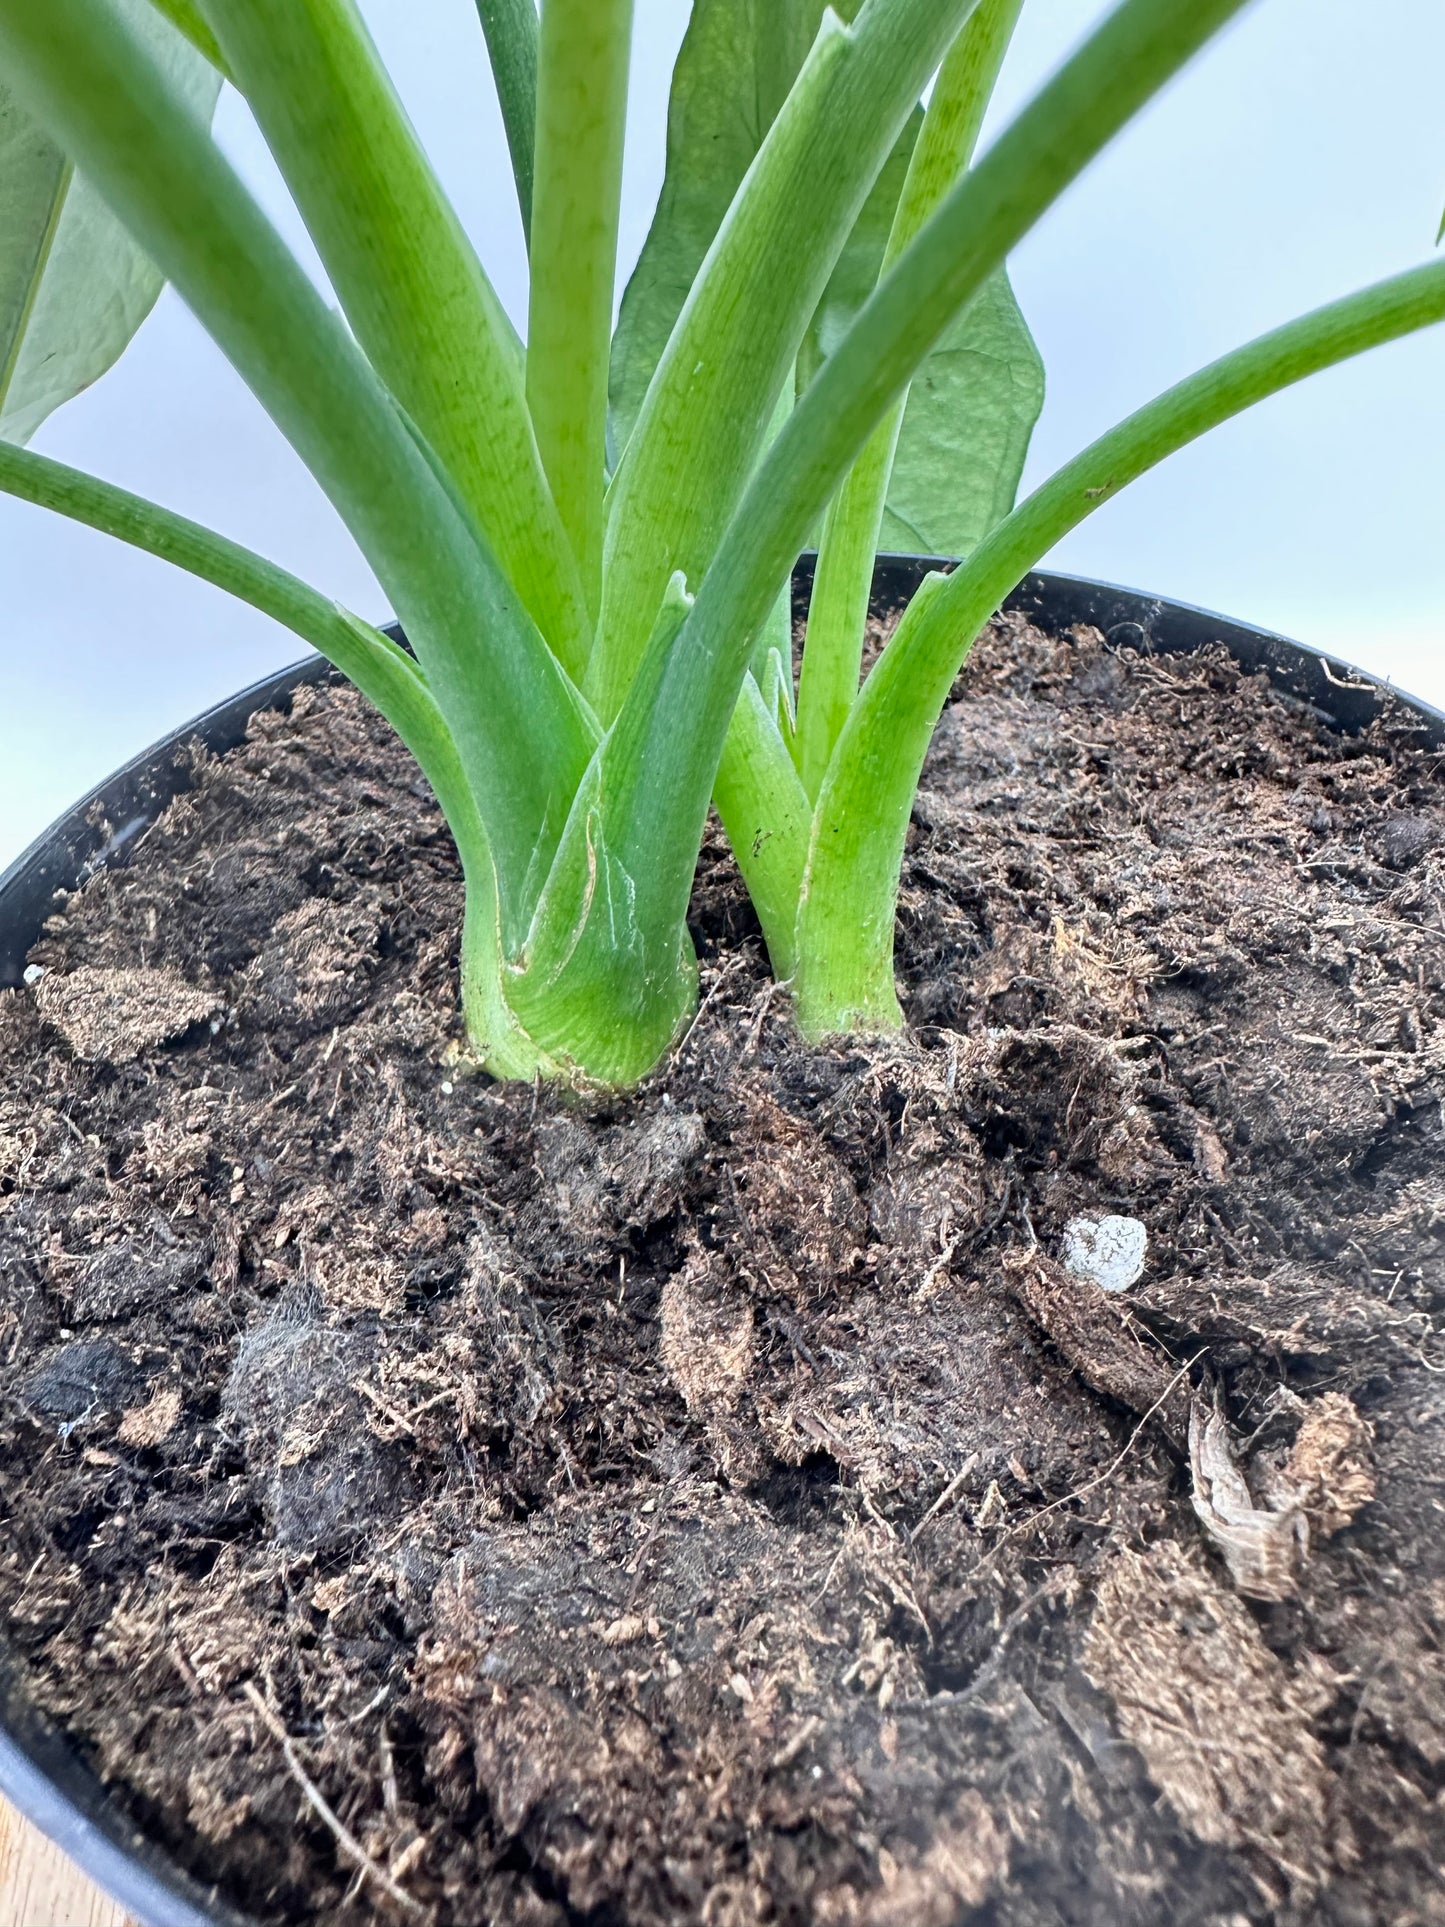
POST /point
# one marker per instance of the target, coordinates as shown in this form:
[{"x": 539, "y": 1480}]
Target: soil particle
[
  {"x": 296, "y": 1395},
  {"x": 717, "y": 1504},
  {"x": 124, "y": 1279},
  {"x": 112, "y": 1016},
  {"x": 89, "y": 1375},
  {"x": 1225, "y": 1730}
]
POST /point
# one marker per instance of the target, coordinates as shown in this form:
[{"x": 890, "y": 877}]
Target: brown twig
[
  {"x": 803, "y": 1738},
  {"x": 345, "y": 1839},
  {"x": 946, "y": 1497},
  {"x": 640, "y": 1570}
]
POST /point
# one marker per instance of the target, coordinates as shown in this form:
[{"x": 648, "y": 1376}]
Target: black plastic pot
[{"x": 41, "y": 1773}]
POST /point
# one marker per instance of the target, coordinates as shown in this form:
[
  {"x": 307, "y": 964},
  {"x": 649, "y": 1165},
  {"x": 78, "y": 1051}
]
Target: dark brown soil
[{"x": 720, "y": 1505}]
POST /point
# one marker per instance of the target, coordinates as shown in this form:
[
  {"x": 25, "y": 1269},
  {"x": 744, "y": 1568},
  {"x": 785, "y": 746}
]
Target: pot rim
[{"x": 41, "y": 1774}]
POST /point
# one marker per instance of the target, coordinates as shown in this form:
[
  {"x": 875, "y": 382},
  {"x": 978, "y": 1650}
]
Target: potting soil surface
[{"x": 427, "y": 1499}]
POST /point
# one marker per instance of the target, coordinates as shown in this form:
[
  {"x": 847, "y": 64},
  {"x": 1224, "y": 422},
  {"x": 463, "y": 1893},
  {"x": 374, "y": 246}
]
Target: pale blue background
[{"x": 1302, "y": 155}]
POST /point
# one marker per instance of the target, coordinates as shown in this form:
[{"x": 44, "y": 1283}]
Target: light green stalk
[
  {"x": 512, "y": 38},
  {"x": 658, "y": 763},
  {"x": 385, "y": 674},
  {"x": 843, "y": 585},
  {"x": 756, "y": 793},
  {"x": 186, "y": 15},
  {"x": 409, "y": 280},
  {"x": 577, "y": 194},
  {"x": 520, "y": 732},
  {"x": 845, "y": 975},
  {"x": 767, "y": 816},
  {"x": 708, "y": 408}
]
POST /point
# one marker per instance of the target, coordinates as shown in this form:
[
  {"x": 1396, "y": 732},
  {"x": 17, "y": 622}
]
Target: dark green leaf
[{"x": 971, "y": 411}]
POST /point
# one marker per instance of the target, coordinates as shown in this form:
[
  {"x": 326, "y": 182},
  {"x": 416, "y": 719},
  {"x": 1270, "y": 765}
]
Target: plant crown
[{"x": 589, "y": 541}]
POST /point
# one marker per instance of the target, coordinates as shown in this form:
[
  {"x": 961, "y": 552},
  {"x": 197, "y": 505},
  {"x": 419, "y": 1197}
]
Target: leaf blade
[
  {"x": 74, "y": 287},
  {"x": 971, "y": 412}
]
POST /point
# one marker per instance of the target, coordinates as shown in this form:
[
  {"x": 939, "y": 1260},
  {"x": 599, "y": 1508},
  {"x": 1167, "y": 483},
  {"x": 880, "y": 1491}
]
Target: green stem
[
  {"x": 838, "y": 608},
  {"x": 512, "y": 39},
  {"x": 838, "y": 613},
  {"x": 862, "y": 816},
  {"x": 384, "y": 674},
  {"x": 523, "y": 738},
  {"x": 409, "y": 280},
  {"x": 767, "y": 816},
  {"x": 186, "y": 15},
  {"x": 660, "y": 758},
  {"x": 711, "y": 400},
  {"x": 581, "y": 119},
  {"x": 214, "y": 558}
]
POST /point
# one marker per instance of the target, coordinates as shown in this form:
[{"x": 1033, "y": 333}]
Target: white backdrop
[{"x": 1302, "y": 155}]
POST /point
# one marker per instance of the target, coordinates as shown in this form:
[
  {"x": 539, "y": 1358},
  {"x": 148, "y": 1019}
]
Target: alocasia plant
[{"x": 588, "y": 541}]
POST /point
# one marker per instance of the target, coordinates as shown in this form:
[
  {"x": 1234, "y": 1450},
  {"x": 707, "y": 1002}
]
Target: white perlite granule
[{"x": 1109, "y": 1252}]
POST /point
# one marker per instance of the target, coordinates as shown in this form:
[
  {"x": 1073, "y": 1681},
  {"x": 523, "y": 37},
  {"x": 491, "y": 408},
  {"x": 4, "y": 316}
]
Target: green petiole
[
  {"x": 845, "y": 983},
  {"x": 512, "y": 43},
  {"x": 844, "y": 581},
  {"x": 576, "y": 197}
]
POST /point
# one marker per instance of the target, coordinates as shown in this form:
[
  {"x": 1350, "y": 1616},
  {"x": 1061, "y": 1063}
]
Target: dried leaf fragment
[
  {"x": 707, "y": 1341},
  {"x": 1261, "y": 1547},
  {"x": 1329, "y": 1465}
]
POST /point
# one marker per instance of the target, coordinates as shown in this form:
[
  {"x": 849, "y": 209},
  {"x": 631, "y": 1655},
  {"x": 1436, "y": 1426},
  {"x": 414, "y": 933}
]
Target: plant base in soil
[{"x": 720, "y": 1504}]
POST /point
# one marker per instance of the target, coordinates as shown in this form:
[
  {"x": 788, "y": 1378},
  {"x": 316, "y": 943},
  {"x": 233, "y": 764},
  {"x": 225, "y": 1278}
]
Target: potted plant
[{"x": 555, "y": 1445}]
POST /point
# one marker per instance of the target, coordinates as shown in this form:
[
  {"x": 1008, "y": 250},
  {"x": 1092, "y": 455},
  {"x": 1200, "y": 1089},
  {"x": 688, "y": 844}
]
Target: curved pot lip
[
  {"x": 45, "y": 1783},
  {"x": 40, "y": 1773}
]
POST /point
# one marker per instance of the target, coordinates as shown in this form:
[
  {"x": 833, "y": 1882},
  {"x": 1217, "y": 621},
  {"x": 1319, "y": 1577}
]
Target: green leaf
[
  {"x": 738, "y": 60},
  {"x": 971, "y": 411},
  {"x": 74, "y": 287}
]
